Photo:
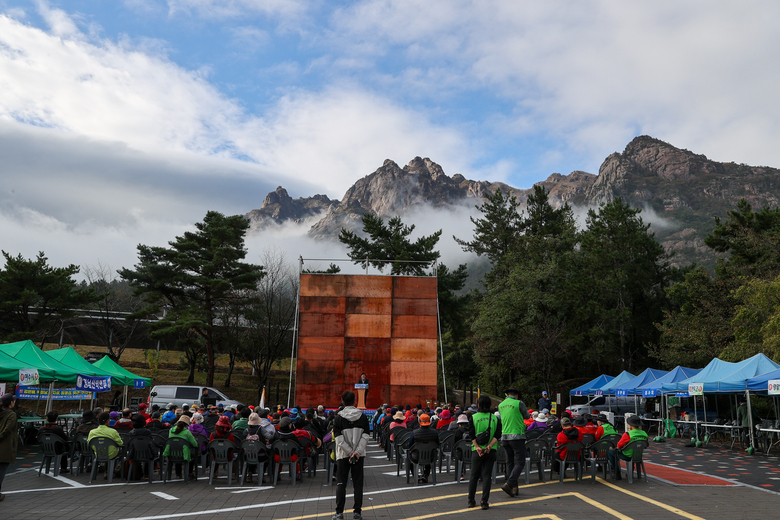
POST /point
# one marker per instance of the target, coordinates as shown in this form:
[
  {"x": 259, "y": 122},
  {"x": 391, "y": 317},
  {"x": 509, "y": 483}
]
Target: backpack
[{"x": 252, "y": 437}]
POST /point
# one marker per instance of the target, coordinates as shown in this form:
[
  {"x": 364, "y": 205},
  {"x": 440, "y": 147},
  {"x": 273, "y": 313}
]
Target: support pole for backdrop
[
  {"x": 124, "y": 398},
  {"x": 441, "y": 349},
  {"x": 295, "y": 329}
]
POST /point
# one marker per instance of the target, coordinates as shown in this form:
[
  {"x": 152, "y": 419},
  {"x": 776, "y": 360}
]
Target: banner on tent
[
  {"x": 774, "y": 386},
  {"x": 695, "y": 388},
  {"x": 599, "y": 392},
  {"x": 682, "y": 394},
  {"x": 23, "y": 392},
  {"x": 139, "y": 383},
  {"x": 29, "y": 376},
  {"x": 652, "y": 392},
  {"x": 94, "y": 384},
  {"x": 578, "y": 393},
  {"x": 621, "y": 393}
]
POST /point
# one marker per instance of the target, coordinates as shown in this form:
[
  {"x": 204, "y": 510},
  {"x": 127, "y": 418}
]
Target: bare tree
[
  {"x": 271, "y": 316},
  {"x": 109, "y": 324}
]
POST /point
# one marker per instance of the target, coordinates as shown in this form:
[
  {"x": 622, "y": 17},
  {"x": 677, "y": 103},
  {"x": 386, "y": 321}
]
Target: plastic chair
[
  {"x": 426, "y": 454},
  {"x": 204, "y": 455},
  {"x": 285, "y": 449},
  {"x": 101, "y": 447},
  {"x": 330, "y": 461},
  {"x": 401, "y": 438},
  {"x": 536, "y": 454},
  {"x": 635, "y": 460},
  {"x": 599, "y": 454},
  {"x": 446, "y": 442},
  {"x": 588, "y": 439},
  {"x": 309, "y": 452},
  {"x": 253, "y": 453},
  {"x": 221, "y": 451},
  {"x": 81, "y": 445},
  {"x": 500, "y": 460},
  {"x": 461, "y": 452},
  {"x": 142, "y": 450},
  {"x": 573, "y": 452},
  {"x": 175, "y": 446},
  {"x": 50, "y": 443},
  {"x": 614, "y": 438}
]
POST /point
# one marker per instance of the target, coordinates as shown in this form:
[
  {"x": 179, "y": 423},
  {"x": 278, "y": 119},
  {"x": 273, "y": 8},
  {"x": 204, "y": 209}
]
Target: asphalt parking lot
[{"x": 679, "y": 487}]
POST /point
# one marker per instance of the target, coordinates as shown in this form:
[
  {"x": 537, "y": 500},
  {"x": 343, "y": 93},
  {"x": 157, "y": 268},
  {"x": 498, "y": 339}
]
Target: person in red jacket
[
  {"x": 142, "y": 410},
  {"x": 590, "y": 427},
  {"x": 568, "y": 434}
]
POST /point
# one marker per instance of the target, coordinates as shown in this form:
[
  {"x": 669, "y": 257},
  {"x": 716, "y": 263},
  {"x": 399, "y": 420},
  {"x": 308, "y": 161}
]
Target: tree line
[{"x": 558, "y": 306}]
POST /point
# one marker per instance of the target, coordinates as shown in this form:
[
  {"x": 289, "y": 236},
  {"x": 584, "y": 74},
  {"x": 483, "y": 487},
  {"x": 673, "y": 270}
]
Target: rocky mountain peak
[{"x": 278, "y": 197}]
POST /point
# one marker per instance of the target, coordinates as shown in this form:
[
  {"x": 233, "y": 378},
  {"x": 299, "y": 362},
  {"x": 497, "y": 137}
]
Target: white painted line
[
  {"x": 166, "y": 496},
  {"x": 82, "y": 486},
  {"x": 275, "y": 504},
  {"x": 379, "y": 457},
  {"x": 66, "y": 481},
  {"x": 262, "y": 488}
]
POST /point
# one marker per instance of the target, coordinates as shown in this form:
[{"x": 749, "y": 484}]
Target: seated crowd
[{"x": 198, "y": 425}]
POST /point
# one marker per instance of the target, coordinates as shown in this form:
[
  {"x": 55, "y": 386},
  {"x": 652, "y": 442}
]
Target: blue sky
[{"x": 124, "y": 121}]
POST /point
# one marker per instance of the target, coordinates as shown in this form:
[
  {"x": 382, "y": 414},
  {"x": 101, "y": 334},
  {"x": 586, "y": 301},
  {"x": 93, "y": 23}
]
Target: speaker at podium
[{"x": 360, "y": 393}]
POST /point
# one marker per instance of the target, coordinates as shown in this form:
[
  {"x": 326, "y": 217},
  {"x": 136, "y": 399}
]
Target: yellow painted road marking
[{"x": 669, "y": 508}]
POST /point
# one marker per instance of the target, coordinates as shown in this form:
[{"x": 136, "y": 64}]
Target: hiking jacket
[{"x": 350, "y": 432}]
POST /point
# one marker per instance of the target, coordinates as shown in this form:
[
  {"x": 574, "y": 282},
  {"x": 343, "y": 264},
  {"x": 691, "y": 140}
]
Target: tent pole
[
  {"x": 695, "y": 418},
  {"x": 48, "y": 399},
  {"x": 750, "y": 419},
  {"x": 124, "y": 398}
]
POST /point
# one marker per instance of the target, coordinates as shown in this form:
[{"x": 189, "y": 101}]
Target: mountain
[{"x": 679, "y": 192}]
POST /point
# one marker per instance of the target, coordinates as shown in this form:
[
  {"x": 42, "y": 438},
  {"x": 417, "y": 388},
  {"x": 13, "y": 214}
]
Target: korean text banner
[
  {"x": 94, "y": 384},
  {"x": 29, "y": 376},
  {"x": 24, "y": 392}
]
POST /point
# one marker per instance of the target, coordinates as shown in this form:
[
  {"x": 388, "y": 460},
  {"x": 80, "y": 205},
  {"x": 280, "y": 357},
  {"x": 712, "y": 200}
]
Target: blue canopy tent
[
  {"x": 609, "y": 388},
  {"x": 724, "y": 377},
  {"x": 760, "y": 384},
  {"x": 653, "y": 388},
  {"x": 632, "y": 387},
  {"x": 592, "y": 385}
]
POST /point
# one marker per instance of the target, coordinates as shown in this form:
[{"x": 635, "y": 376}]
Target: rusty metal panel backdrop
[{"x": 385, "y": 326}]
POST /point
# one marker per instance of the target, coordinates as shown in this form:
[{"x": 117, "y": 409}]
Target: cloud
[
  {"x": 592, "y": 75},
  {"x": 113, "y": 91}
]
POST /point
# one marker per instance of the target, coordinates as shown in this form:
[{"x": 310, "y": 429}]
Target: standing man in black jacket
[{"x": 351, "y": 434}]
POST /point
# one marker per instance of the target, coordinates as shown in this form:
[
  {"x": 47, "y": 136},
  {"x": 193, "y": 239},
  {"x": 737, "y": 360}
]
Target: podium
[{"x": 360, "y": 392}]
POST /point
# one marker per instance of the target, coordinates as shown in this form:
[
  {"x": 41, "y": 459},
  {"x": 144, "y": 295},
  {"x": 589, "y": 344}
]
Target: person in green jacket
[
  {"x": 483, "y": 456},
  {"x": 605, "y": 428},
  {"x": 104, "y": 430},
  {"x": 513, "y": 415},
  {"x": 9, "y": 437},
  {"x": 634, "y": 433},
  {"x": 181, "y": 431}
]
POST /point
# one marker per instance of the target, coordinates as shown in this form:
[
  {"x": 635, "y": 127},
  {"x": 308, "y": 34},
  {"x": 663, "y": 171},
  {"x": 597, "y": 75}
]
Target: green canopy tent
[
  {"x": 119, "y": 375},
  {"x": 73, "y": 359},
  {"x": 10, "y": 366},
  {"x": 68, "y": 356},
  {"x": 29, "y": 353}
]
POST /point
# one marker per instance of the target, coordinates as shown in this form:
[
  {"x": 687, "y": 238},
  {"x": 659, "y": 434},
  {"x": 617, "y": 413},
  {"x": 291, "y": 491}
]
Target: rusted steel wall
[{"x": 384, "y": 326}]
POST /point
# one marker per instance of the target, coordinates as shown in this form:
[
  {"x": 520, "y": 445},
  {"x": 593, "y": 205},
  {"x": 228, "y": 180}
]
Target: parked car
[
  {"x": 161, "y": 395},
  {"x": 97, "y": 356},
  {"x": 603, "y": 403}
]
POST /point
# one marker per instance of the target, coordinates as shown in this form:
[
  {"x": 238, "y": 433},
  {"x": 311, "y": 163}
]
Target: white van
[
  {"x": 161, "y": 395},
  {"x": 607, "y": 403}
]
